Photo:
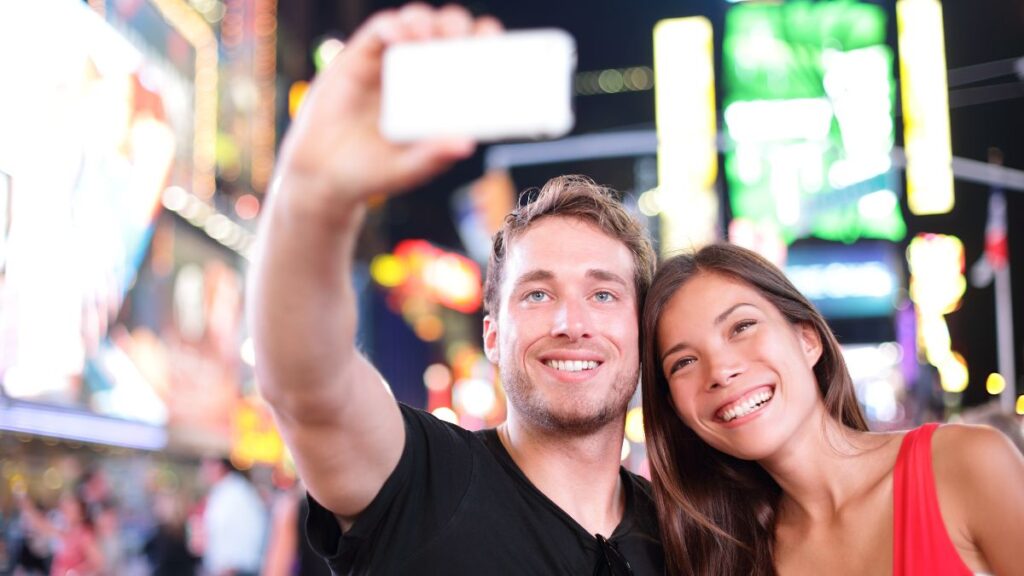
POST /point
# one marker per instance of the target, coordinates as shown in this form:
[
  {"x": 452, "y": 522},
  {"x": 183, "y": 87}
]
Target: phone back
[{"x": 516, "y": 85}]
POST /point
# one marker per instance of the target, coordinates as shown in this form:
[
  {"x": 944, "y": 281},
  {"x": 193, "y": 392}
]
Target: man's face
[{"x": 566, "y": 335}]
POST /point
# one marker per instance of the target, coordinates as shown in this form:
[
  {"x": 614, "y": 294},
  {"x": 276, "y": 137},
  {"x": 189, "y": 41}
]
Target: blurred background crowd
[{"x": 871, "y": 148}]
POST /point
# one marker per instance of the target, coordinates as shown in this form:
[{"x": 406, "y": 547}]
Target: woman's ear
[{"x": 810, "y": 343}]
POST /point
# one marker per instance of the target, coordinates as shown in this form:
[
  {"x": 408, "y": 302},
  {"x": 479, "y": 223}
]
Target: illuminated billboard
[
  {"x": 108, "y": 115},
  {"x": 808, "y": 106}
]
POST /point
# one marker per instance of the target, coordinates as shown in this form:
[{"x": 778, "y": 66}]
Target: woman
[
  {"x": 762, "y": 462},
  {"x": 77, "y": 551}
]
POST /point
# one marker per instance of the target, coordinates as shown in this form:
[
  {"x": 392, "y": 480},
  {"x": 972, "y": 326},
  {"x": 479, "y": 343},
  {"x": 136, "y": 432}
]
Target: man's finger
[
  {"x": 416, "y": 22},
  {"x": 374, "y": 35},
  {"x": 488, "y": 26},
  {"x": 454, "y": 21}
]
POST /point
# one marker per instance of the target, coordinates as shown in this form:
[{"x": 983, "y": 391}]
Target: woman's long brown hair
[{"x": 717, "y": 512}]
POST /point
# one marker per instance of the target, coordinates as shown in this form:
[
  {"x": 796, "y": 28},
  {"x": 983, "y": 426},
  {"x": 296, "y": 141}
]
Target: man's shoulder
[
  {"x": 642, "y": 486},
  {"x": 643, "y": 508}
]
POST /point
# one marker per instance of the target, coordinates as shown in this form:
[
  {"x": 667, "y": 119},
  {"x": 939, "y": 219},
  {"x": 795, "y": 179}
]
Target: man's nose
[{"x": 572, "y": 320}]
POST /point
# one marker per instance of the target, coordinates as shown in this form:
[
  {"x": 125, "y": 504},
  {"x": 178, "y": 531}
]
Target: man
[
  {"x": 392, "y": 489},
  {"x": 234, "y": 521}
]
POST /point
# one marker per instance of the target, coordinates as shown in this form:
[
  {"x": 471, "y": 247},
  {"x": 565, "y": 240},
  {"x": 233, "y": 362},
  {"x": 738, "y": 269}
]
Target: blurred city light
[
  {"x": 446, "y": 414},
  {"x": 437, "y": 377},
  {"x": 995, "y": 384},
  {"x": 686, "y": 118},
  {"x": 296, "y": 94},
  {"x": 937, "y": 284},
  {"x": 387, "y": 270},
  {"x": 475, "y": 396},
  {"x": 326, "y": 51},
  {"x": 924, "y": 90},
  {"x": 247, "y": 206},
  {"x": 635, "y": 425},
  {"x": 808, "y": 108}
]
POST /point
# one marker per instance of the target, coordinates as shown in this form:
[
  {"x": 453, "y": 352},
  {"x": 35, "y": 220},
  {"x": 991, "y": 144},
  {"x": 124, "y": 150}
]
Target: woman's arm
[{"x": 35, "y": 521}]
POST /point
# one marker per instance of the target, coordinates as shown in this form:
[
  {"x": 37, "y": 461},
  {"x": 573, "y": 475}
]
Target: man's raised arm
[{"x": 333, "y": 409}]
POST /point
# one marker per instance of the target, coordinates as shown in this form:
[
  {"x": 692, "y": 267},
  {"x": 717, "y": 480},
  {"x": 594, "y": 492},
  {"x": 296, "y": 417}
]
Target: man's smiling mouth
[{"x": 571, "y": 365}]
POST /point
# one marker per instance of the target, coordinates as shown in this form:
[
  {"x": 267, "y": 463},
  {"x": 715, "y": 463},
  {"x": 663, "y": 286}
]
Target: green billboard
[{"x": 808, "y": 105}]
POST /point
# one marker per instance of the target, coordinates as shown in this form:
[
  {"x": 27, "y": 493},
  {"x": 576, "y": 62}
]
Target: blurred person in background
[
  {"x": 288, "y": 551},
  {"x": 762, "y": 461},
  {"x": 234, "y": 521},
  {"x": 993, "y": 415},
  {"x": 166, "y": 549},
  {"x": 76, "y": 550},
  {"x": 93, "y": 487},
  {"x": 393, "y": 489},
  {"x": 31, "y": 551},
  {"x": 107, "y": 521}
]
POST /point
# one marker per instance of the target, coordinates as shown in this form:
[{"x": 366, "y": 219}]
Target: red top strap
[{"x": 921, "y": 545}]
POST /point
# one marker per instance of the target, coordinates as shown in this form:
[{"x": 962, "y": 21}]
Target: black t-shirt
[{"x": 458, "y": 504}]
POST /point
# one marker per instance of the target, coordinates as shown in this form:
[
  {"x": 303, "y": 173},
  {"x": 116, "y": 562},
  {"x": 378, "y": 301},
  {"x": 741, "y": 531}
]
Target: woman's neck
[{"x": 826, "y": 465}]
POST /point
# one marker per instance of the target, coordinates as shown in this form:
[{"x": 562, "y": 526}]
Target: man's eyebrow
[
  {"x": 718, "y": 320},
  {"x": 605, "y": 275},
  {"x": 533, "y": 276},
  {"x": 547, "y": 275}
]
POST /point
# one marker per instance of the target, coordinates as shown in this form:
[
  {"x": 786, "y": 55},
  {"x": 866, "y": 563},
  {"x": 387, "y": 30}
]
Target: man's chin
[{"x": 579, "y": 421}]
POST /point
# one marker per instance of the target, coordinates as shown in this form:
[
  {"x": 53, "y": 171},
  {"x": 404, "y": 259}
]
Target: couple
[{"x": 760, "y": 458}]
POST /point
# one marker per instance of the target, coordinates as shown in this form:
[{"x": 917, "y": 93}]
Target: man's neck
[{"x": 578, "y": 473}]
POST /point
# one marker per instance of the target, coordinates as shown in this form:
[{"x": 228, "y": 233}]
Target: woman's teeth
[
  {"x": 747, "y": 406},
  {"x": 572, "y": 365}
]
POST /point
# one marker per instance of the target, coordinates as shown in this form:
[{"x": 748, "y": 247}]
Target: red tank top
[{"x": 921, "y": 544}]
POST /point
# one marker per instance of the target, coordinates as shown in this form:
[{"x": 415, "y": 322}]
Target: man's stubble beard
[{"x": 574, "y": 419}]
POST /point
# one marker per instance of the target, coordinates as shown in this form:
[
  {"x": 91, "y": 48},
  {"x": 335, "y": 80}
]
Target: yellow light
[
  {"x": 296, "y": 94},
  {"x": 635, "y": 425},
  {"x": 626, "y": 449},
  {"x": 1020, "y": 404},
  {"x": 925, "y": 100},
  {"x": 684, "y": 102},
  {"x": 995, "y": 383},
  {"x": 936, "y": 265},
  {"x": 953, "y": 374},
  {"x": 388, "y": 270}
]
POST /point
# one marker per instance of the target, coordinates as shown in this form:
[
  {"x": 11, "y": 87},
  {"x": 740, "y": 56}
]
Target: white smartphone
[{"x": 516, "y": 85}]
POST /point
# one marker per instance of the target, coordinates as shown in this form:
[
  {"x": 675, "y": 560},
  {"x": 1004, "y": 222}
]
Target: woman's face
[
  {"x": 71, "y": 509},
  {"x": 740, "y": 374}
]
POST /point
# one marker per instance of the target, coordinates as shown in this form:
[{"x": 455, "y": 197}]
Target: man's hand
[{"x": 335, "y": 146}]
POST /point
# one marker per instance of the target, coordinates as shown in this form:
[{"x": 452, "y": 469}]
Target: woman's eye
[
  {"x": 680, "y": 364},
  {"x": 743, "y": 326}
]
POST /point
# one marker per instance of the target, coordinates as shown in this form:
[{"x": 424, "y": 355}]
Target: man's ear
[
  {"x": 491, "y": 339},
  {"x": 810, "y": 343}
]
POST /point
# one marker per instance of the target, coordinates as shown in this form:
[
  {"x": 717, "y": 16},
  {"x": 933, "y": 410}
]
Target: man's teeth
[
  {"x": 747, "y": 406},
  {"x": 572, "y": 365}
]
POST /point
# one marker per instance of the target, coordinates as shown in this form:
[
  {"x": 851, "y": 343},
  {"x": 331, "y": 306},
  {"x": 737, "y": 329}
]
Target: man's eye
[
  {"x": 604, "y": 296},
  {"x": 536, "y": 296}
]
